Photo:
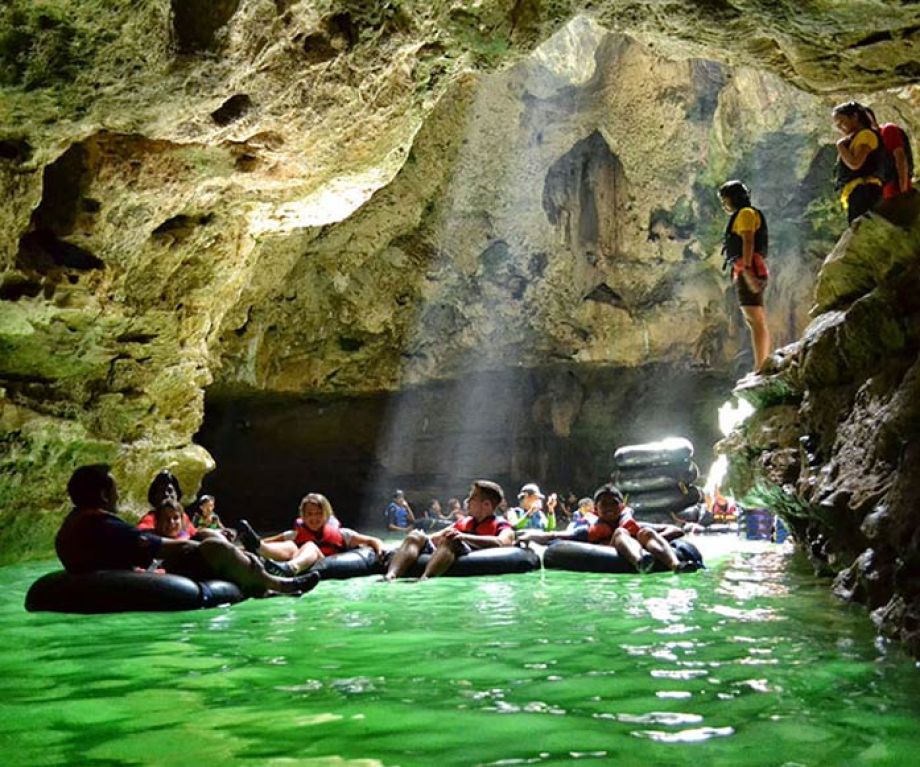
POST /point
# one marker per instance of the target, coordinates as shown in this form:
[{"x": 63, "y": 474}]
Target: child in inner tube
[
  {"x": 170, "y": 521},
  {"x": 316, "y": 535},
  {"x": 615, "y": 525}
]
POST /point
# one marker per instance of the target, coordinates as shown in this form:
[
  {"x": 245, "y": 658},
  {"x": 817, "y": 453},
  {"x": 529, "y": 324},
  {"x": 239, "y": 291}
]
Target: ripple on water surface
[{"x": 750, "y": 661}]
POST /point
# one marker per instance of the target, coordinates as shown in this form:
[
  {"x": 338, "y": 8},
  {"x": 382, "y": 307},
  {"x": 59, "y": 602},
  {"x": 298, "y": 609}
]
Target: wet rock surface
[{"x": 843, "y": 440}]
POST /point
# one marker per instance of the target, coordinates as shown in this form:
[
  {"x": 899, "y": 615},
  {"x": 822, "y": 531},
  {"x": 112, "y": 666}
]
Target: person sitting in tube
[
  {"x": 528, "y": 515},
  {"x": 204, "y": 517},
  {"x": 584, "y": 512},
  {"x": 316, "y": 535},
  {"x": 481, "y": 528},
  {"x": 398, "y": 514},
  {"x": 169, "y": 524},
  {"x": 165, "y": 486},
  {"x": 92, "y": 537},
  {"x": 615, "y": 525}
]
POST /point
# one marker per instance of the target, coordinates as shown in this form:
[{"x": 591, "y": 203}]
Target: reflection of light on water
[
  {"x": 497, "y": 603},
  {"x": 669, "y": 718},
  {"x": 677, "y": 603},
  {"x": 757, "y": 614},
  {"x": 686, "y": 673},
  {"x": 685, "y": 736}
]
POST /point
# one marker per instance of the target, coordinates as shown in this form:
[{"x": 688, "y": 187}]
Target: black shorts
[
  {"x": 862, "y": 199},
  {"x": 745, "y": 296},
  {"x": 461, "y": 548}
]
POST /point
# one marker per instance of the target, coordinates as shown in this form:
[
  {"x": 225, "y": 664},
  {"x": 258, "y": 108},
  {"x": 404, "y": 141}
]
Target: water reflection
[{"x": 748, "y": 654}]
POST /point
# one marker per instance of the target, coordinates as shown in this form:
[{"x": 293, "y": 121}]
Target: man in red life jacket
[
  {"x": 616, "y": 526},
  {"x": 480, "y": 529}
]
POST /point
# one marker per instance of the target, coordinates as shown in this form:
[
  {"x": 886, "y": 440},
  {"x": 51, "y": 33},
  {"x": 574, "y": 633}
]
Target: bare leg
[
  {"x": 280, "y": 551},
  {"x": 245, "y": 570},
  {"x": 305, "y": 557},
  {"x": 406, "y": 555},
  {"x": 627, "y": 546},
  {"x": 659, "y": 548},
  {"x": 204, "y": 533},
  {"x": 444, "y": 556},
  {"x": 756, "y": 319}
]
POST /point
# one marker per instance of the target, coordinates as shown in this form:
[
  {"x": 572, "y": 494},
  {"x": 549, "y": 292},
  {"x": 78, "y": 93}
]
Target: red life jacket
[
  {"x": 602, "y": 532},
  {"x": 149, "y": 522},
  {"x": 329, "y": 540},
  {"x": 489, "y": 526}
]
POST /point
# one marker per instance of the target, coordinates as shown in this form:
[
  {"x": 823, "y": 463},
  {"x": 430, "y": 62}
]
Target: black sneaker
[
  {"x": 248, "y": 537},
  {"x": 686, "y": 567},
  {"x": 304, "y": 583},
  {"x": 646, "y": 564},
  {"x": 279, "y": 569}
]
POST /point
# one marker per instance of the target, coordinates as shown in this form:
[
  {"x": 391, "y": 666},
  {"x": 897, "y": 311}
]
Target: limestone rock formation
[
  {"x": 838, "y": 418},
  {"x": 339, "y": 198}
]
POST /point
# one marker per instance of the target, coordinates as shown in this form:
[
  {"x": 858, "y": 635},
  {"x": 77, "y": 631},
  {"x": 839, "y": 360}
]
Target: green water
[{"x": 750, "y": 662}]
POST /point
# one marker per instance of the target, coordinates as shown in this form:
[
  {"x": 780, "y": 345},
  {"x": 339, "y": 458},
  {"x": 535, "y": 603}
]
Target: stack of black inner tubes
[{"x": 657, "y": 478}]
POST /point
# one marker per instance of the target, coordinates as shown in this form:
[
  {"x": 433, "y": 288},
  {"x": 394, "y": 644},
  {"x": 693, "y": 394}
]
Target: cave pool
[{"x": 750, "y": 662}]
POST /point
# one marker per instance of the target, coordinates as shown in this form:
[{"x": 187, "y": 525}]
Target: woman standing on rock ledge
[
  {"x": 861, "y": 157},
  {"x": 744, "y": 247}
]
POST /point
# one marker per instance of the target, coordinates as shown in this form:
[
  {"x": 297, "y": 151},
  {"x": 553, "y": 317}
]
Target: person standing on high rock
[
  {"x": 745, "y": 246},
  {"x": 897, "y": 143},
  {"x": 861, "y": 159}
]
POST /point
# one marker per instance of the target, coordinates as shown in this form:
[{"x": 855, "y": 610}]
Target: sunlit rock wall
[{"x": 334, "y": 196}]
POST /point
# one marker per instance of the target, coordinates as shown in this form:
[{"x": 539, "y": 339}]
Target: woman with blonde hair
[{"x": 316, "y": 535}]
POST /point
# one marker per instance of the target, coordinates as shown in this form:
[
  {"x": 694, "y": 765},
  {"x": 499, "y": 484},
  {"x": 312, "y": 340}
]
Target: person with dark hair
[
  {"x": 529, "y": 511},
  {"x": 93, "y": 537},
  {"x": 745, "y": 246},
  {"x": 204, "y": 517},
  {"x": 203, "y": 514},
  {"x": 861, "y": 159},
  {"x": 165, "y": 486},
  {"x": 897, "y": 144},
  {"x": 398, "y": 514},
  {"x": 480, "y": 529},
  {"x": 614, "y": 525}
]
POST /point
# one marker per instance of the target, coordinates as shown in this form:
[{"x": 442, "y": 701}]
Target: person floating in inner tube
[
  {"x": 861, "y": 159},
  {"x": 616, "y": 526},
  {"x": 316, "y": 535},
  {"x": 169, "y": 524},
  {"x": 529, "y": 515},
  {"x": 204, "y": 517},
  {"x": 92, "y": 537},
  {"x": 480, "y": 529},
  {"x": 745, "y": 246},
  {"x": 165, "y": 486},
  {"x": 398, "y": 514}
]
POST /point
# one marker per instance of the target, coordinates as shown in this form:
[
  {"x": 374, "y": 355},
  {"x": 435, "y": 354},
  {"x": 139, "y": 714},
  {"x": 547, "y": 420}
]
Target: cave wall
[
  {"x": 341, "y": 197},
  {"x": 833, "y": 443},
  {"x": 556, "y": 425}
]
